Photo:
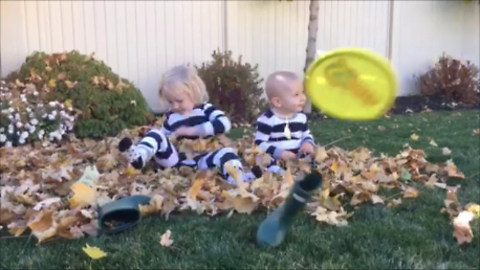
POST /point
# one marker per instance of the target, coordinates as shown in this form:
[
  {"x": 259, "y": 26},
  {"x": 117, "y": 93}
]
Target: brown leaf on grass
[
  {"x": 377, "y": 199},
  {"x": 476, "y": 131},
  {"x": 107, "y": 162},
  {"x": 43, "y": 226},
  {"x": 452, "y": 170},
  {"x": 414, "y": 137},
  {"x": 360, "y": 197},
  {"x": 410, "y": 192},
  {"x": 446, "y": 151},
  {"x": 461, "y": 228},
  {"x": 165, "y": 239},
  {"x": 394, "y": 203},
  {"x": 62, "y": 76}
]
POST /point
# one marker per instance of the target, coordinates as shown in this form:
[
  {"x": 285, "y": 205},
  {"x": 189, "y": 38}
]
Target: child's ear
[{"x": 276, "y": 102}]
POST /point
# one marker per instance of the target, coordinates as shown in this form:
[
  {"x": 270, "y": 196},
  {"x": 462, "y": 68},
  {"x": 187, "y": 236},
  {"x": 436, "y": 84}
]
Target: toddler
[
  {"x": 190, "y": 116},
  {"x": 282, "y": 131}
]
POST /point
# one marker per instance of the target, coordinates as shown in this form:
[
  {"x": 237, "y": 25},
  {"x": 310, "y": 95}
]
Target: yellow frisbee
[{"x": 351, "y": 84}]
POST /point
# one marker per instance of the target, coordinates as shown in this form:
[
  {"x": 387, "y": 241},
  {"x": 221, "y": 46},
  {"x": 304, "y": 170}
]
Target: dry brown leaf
[
  {"x": 414, "y": 137},
  {"x": 461, "y": 228},
  {"x": 62, "y": 76},
  {"x": 377, "y": 199},
  {"x": 394, "y": 203},
  {"x": 165, "y": 239},
  {"x": 446, "y": 151},
  {"x": 320, "y": 154},
  {"x": 410, "y": 192},
  {"x": 107, "y": 162}
]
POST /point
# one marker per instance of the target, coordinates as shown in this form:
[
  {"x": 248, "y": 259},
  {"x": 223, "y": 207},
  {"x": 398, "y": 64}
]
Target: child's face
[
  {"x": 292, "y": 99},
  {"x": 181, "y": 103}
]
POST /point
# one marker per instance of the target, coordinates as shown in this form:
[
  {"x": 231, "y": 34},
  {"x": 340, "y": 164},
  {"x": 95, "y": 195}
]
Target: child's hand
[
  {"x": 307, "y": 148},
  {"x": 286, "y": 155},
  {"x": 185, "y": 131}
]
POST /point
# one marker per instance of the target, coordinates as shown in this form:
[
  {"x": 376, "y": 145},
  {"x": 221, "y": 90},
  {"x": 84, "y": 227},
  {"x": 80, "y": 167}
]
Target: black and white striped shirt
[
  {"x": 208, "y": 120},
  {"x": 270, "y": 133}
]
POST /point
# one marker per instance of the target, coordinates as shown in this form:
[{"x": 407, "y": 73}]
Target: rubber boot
[
  {"x": 124, "y": 212},
  {"x": 273, "y": 229}
]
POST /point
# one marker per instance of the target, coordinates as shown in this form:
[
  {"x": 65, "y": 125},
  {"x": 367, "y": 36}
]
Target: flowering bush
[
  {"x": 26, "y": 118},
  {"x": 108, "y": 102}
]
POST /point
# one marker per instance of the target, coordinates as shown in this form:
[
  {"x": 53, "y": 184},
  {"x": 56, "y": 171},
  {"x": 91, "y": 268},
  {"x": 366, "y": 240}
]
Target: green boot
[
  {"x": 273, "y": 229},
  {"x": 120, "y": 215}
]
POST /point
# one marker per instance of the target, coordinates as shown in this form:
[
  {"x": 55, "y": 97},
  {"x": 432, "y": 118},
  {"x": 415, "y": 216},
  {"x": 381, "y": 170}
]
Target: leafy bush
[
  {"x": 233, "y": 86},
  {"x": 107, "y": 102},
  {"x": 26, "y": 118},
  {"x": 452, "y": 79}
]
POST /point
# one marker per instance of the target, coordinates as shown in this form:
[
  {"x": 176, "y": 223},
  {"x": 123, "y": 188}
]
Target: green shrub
[
  {"x": 26, "y": 118},
  {"x": 107, "y": 102},
  {"x": 233, "y": 86},
  {"x": 451, "y": 79}
]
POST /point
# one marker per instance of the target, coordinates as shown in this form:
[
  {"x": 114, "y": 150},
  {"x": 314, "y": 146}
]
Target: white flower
[
  {"x": 8, "y": 144},
  {"x": 10, "y": 128},
  {"x": 52, "y": 103},
  {"x": 35, "y": 93},
  {"x": 3, "y": 138},
  {"x": 32, "y": 129},
  {"x": 28, "y": 109},
  {"x": 40, "y": 136},
  {"x": 62, "y": 106},
  {"x": 51, "y": 117},
  {"x": 10, "y": 117},
  {"x": 21, "y": 140},
  {"x": 40, "y": 105},
  {"x": 2, "y": 129},
  {"x": 19, "y": 125},
  {"x": 34, "y": 121},
  {"x": 12, "y": 110},
  {"x": 24, "y": 135},
  {"x": 17, "y": 116}
]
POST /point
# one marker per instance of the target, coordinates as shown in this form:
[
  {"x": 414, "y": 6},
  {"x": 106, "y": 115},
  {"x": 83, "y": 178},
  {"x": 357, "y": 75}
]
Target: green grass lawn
[{"x": 413, "y": 235}]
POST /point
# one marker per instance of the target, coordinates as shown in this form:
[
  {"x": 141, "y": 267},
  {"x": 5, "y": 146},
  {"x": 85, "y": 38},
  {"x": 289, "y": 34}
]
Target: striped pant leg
[
  {"x": 166, "y": 154},
  {"x": 218, "y": 158}
]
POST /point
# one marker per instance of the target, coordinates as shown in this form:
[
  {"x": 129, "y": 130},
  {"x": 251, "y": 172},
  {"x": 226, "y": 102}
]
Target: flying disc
[{"x": 351, "y": 84}]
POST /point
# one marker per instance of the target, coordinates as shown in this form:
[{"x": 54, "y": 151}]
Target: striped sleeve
[
  {"x": 218, "y": 122},
  {"x": 262, "y": 134},
  {"x": 166, "y": 128},
  {"x": 307, "y": 135}
]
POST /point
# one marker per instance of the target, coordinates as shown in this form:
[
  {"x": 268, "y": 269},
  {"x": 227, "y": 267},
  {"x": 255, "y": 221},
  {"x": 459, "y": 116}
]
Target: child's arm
[
  {"x": 262, "y": 135},
  {"x": 218, "y": 122},
  {"x": 307, "y": 136},
  {"x": 166, "y": 128}
]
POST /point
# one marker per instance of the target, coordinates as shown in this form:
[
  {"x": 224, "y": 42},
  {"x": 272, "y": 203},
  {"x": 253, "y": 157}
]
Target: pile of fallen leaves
[{"x": 56, "y": 190}]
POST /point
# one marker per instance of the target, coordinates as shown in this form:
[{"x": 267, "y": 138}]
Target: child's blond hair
[{"x": 183, "y": 78}]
